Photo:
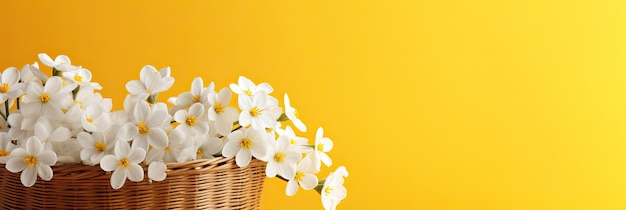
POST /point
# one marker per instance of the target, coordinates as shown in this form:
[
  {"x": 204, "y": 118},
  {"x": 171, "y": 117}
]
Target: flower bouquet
[{"x": 200, "y": 152}]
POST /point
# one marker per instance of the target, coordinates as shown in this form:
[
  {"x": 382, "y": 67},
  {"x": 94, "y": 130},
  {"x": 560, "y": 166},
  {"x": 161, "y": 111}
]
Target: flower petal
[
  {"x": 196, "y": 86},
  {"x": 309, "y": 181},
  {"x": 158, "y": 138},
  {"x": 48, "y": 158},
  {"x": 122, "y": 149},
  {"x": 46, "y": 59},
  {"x": 62, "y": 59},
  {"x": 135, "y": 87},
  {"x": 142, "y": 111},
  {"x": 272, "y": 169},
  {"x": 135, "y": 173},
  {"x": 259, "y": 149},
  {"x": 53, "y": 85},
  {"x": 196, "y": 109},
  {"x": 231, "y": 148},
  {"x": 245, "y": 119},
  {"x": 85, "y": 140},
  {"x": 33, "y": 145},
  {"x": 292, "y": 188},
  {"x": 44, "y": 172},
  {"x": 180, "y": 116},
  {"x": 127, "y": 132},
  {"x": 136, "y": 155},
  {"x": 156, "y": 171},
  {"x": 60, "y": 134},
  {"x": 243, "y": 158},
  {"x": 288, "y": 171},
  {"x": 28, "y": 177},
  {"x": 16, "y": 165},
  {"x": 118, "y": 178},
  {"x": 109, "y": 163}
]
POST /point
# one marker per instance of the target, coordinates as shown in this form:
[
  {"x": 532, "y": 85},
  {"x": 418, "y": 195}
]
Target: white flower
[
  {"x": 6, "y": 146},
  {"x": 191, "y": 122},
  {"x": 245, "y": 144},
  {"x": 4, "y": 125},
  {"x": 292, "y": 114},
  {"x": 150, "y": 82},
  {"x": 32, "y": 161},
  {"x": 124, "y": 164},
  {"x": 10, "y": 86},
  {"x": 246, "y": 87},
  {"x": 221, "y": 113},
  {"x": 94, "y": 147},
  {"x": 61, "y": 62},
  {"x": 322, "y": 146},
  {"x": 281, "y": 161},
  {"x": 177, "y": 142},
  {"x": 19, "y": 125},
  {"x": 204, "y": 147},
  {"x": 256, "y": 111},
  {"x": 334, "y": 191},
  {"x": 47, "y": 100},
  {"x": 146, "y": 128},
  {"x": 198, "y": 94},
  {"x": 156, "y": 171},
  {"x": 26, "y": 73},
  {"x": 304, "y": 177},
  {"x": 296, "y": 143},
  {"x": 83, "y": 78},
  {"x": 95, "y": 119},
  {"x": 48, "y": 134}
]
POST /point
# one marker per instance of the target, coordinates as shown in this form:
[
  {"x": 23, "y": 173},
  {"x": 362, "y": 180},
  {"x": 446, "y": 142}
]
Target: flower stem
[
  {"x": 152, "y": 98},
  {"x": 320, "y": 186},
  {"x": 283, "y": 117},
  {"x": 6, "y": 109},
  {"x": 282, "y": 178}
]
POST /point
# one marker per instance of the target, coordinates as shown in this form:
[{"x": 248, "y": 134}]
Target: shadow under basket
[{"x": 201, "y": 184}]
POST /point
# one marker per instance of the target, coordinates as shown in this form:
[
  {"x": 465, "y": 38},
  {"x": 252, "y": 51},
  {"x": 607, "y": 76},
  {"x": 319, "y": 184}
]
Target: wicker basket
[{"x": 202, "y": 184}]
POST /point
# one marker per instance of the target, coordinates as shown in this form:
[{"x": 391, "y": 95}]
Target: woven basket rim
[
  {"x": 199, "y": 163},
  {"x": 216, "y": 183}
]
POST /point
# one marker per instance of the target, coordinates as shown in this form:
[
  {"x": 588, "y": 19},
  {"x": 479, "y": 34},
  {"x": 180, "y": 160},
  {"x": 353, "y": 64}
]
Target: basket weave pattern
[{"x": 201, "y": 184}]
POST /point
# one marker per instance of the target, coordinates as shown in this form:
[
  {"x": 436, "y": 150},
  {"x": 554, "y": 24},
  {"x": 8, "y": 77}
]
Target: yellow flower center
[
  {"x": 143, "y": 128},
  {"x": 79, "y": 103},
  {"x": 167, "y": 149},
  {"x": 191, "y": 120},
  {"x": 124, "y": 163},
  {"x": 296, "y": 113},
  {"x": 299, "y": 176},
  {"x": 89, "y": 119},
  {"x": 219, "y": 108},
  {"x": 246, "y": 143},
  {"x": 255, "y": 111},
  {"x": 292, "y": 141},
  {"x": 199, "y": 153},
  {"x": 44, "y": 97},
  {"x": 100, "y": 147},
  {"x": 4, "y": 88},
  {"x": 279, "y": 157},
  {"x": 4, "y": 153},
  {"x": 31, "y": 160},
  {"x": 327, "y": 190},
  {"x": 196, "y": 99},
  {"x": 320, "y": 147},
  {"x": 248, "y": 92},
  {"x": 78, "y": 78}
]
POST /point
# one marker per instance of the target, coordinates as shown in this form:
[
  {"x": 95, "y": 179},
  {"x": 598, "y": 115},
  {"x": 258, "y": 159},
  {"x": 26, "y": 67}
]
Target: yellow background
[{"x": 431, "y": 104}]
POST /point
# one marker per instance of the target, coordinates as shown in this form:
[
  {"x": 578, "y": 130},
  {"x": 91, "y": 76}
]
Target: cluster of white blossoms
[{"x": 62, "y": 119}]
